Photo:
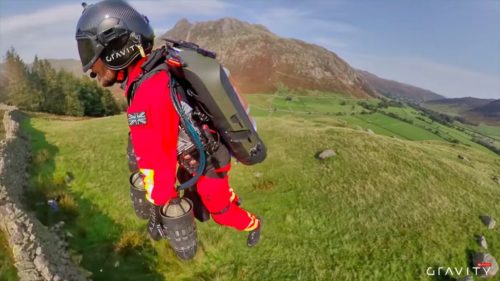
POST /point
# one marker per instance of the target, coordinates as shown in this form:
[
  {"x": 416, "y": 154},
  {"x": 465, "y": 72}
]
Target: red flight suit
[{"x": 153, "y": 123}]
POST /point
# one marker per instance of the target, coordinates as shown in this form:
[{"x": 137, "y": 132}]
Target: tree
[
  {"x": 45, "y": 80},
  {"x": 42, "y": 88},
  {"x": 18, "y": 88},
  {"x": 72, "y": 105}
]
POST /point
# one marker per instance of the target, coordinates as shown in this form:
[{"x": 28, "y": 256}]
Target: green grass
[
  {"x": 7, "y": 270},
  {"x": 325, "y": 108},
  {"x": 319, "y": 104},
  {"x": 383, "y": 209},
  {"x": 452, "y": 110},
  {"x": 488, "y": 130}
]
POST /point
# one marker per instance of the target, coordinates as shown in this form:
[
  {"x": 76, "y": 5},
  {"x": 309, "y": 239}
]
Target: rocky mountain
[
  {"x": 394, "y": 89},
  {"x": 259, "y": 60}
]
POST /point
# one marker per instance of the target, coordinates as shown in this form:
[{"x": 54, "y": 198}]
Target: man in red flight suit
[{"x": 113, "y": 40}]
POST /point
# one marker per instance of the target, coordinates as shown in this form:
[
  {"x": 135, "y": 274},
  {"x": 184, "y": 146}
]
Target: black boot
[
  {"x": 155, "y": 229},
  {"x": 254, "y": 235}
]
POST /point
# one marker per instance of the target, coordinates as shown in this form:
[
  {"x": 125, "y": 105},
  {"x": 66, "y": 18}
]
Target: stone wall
[{"x": 40, "y": 253}]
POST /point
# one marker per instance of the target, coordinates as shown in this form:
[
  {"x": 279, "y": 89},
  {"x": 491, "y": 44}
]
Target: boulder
[
  {"x": 38, "y": 251},
  {"x": 482, "y": 242},
  {"x": 488, "y": 266},
  {"x": 488, "y": 221},
  {"x": 327, "y": 154}
]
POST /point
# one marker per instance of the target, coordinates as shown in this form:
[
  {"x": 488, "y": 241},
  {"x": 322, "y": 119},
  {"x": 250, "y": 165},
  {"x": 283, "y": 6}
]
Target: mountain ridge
[
  {"x": 244, "y": 48},
  {"x": 399, "y": 90}
]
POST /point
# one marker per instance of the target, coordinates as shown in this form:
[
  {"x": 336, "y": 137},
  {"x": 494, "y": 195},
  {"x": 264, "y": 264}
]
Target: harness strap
[{"x": 154, "y": 64}]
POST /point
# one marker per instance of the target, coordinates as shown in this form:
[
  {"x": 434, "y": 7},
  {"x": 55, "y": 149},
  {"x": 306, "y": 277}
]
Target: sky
[{"x": 451, "y": 47}]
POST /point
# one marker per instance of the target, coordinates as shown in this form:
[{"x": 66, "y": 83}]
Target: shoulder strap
[{"x": 154, "y": 64}]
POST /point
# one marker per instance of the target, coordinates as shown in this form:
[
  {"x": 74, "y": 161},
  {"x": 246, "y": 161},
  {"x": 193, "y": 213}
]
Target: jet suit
[{"x": 154, "y": 131}]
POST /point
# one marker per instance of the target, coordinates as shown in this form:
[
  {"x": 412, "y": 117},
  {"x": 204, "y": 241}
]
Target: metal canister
[
  {"x": 180, "y": 228},
  {"x": 138, "y": 196}
]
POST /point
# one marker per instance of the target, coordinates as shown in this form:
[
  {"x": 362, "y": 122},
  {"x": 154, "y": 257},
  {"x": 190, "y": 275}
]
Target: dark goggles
[{"x": 89, "y": 50}]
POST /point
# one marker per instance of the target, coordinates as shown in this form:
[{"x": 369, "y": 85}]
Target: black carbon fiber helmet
[{"x": 114, "y": 31}]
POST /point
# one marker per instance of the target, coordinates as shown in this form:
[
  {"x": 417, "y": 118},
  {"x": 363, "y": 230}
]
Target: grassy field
[
  {"x": 325, "y": 108},
  {"x": 446, "y": 109},
  {"x": 385, "y": 208}
]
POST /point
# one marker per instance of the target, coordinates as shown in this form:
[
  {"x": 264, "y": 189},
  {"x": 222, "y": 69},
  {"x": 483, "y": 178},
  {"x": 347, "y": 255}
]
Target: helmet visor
[{"x": 87, "y": 52}]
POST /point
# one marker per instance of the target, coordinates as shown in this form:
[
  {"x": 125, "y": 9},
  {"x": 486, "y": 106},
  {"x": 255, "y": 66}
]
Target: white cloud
[
  {"x": 59, "y": 15},
  {"x": 330, "y": 43},
  {"x": 447, "y": 80},
  {"x": 49, "y": 32},
  {"x": 286, "y": 20},
  {"x": 160, "y": 8}
]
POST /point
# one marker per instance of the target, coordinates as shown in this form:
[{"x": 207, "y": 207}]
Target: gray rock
[
  {"x": 30, "y": 275},
  {"x": 24, "y": 266},
  {"x": 46, "y": 273},
  {"x": 30, "y": 228},
  {"x": 488, "y": 221},
  {"x": 17, "y": 249},
  {"x": 481, "y": 240},
  {"x": 486, "y": 271},
  {"x": 466, "y": 278},
  {"x": 40, "y": 261},
  {"x": 29, "y": 247},
  {"x": 38, "y": 251},
  {"x": 327, "y": 154}
]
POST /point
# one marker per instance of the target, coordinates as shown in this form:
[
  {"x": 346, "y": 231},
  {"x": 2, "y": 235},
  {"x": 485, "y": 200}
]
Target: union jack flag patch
[{"x": 137, "y": 118}]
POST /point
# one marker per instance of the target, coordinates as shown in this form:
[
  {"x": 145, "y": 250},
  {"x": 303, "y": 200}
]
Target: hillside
[
  {"x": 71, "y": 65},
  {"x": 490, "y": 109},
  {"x": 472, "y": 109},
  {"x": 397, "y": 90},
  {"x": 260, "y": 60},
  {"x": 489, "y": 112},
  {"x": 457, "y": 105},
  {"x": 384, "y": 203}
]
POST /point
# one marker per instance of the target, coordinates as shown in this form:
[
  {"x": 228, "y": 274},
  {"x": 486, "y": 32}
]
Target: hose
[{"x": 192, "y": 133}]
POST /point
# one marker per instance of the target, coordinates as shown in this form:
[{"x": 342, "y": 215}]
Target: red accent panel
[
  {"x": 224, "y": 169},
  {"x": 155, "y": 143},
  {"x": 215, "y": 194}
]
